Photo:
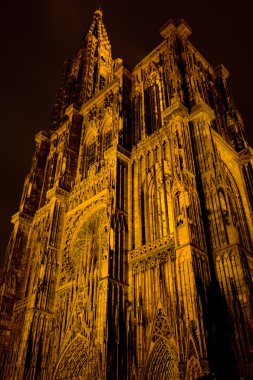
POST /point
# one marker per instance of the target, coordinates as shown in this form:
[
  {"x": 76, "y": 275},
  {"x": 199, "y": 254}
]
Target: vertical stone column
[
  {"x": 227, "y": 246},
  {"x": 191, "y": 265}
]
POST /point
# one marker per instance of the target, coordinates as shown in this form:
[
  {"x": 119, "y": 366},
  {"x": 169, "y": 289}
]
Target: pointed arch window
[
  {"x": 137, "y": 105},
  {"x": 91, "y": 152},
  {"x": 95, "y": 78},
  {"x": 107, "y": 139},
  {"x": 152, "y": 108}
]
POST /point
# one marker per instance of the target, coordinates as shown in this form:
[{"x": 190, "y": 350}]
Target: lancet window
[
  {"x": 226, "y": 210},
  {"x": 152, "y": 108},
  {"x": 165, "y": 89},
  {"x": 95, "y": 77},
  {"x": 91, "y": 152},
  {"x": 159, "y": 215},
  {"x": 248, "y": 177},
  {"x": 137, "y": 105},
  {"x": 107, "y": 139}
]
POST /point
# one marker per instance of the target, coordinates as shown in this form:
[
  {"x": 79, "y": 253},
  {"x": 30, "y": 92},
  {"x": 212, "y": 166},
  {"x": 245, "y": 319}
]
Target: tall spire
[
  {"x": 97, "y": 27},
  {"x": 95, "y": 55},
  {"x": 90, "y": 70}
]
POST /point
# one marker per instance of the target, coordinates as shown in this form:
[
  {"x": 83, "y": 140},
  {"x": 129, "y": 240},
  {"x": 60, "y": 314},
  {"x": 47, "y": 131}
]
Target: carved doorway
[{"x": 163, "y": 362}]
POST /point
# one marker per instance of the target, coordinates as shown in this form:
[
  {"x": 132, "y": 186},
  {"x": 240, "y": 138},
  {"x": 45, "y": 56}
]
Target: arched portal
[
  {"x": 163, "y": 362},
  {"x": 74, "y": 362},
  {"x": 194, "y": 370},
  {"x": 78, "y": 362}
]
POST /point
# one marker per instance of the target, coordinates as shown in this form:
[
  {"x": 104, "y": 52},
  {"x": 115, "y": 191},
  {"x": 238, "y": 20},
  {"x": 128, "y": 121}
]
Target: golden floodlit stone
[{"x": 131, "y": 251}]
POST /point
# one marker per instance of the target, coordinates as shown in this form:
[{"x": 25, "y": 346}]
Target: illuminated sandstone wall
[{"x": 131, "y": 252}]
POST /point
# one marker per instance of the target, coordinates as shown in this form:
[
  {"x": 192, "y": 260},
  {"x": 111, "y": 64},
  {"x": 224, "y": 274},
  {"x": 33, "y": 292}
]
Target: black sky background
[{"x": 37, "y": 36}]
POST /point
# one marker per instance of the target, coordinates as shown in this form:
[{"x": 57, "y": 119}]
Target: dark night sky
[{"x": 36, "y": 37}]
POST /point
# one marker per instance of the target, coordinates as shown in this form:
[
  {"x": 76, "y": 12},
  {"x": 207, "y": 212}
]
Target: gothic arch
[
  {"x": 163, "y": 362},
  {"x": 152, "y": 99},
  {"x": 91, "y": 149},
  {"x": 193, "y": 369},
  {"x": 236, "y": 208},
  {"x": 91, "y": 129},
  {"x": 152, "y": 75},
  {"x": 76, "y": 362},
  {"x": 157, "y": 202},
  {"x": 107, "y": 133},
  {"x": 107, "y": 121},
  {"x": 225, "y": 209}
]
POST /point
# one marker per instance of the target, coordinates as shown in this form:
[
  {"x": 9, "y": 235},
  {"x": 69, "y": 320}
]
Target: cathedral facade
[{"x": 131, "y": 252}]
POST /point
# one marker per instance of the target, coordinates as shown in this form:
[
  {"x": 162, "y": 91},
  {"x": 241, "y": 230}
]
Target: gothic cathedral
[{"x": 131, "y": 252}]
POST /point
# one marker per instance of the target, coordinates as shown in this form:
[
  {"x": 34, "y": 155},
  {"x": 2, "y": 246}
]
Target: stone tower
[{"x": 131, "y": 251}]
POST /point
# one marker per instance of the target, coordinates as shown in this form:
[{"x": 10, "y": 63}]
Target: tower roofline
[{"x": 170, "y": 26}]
